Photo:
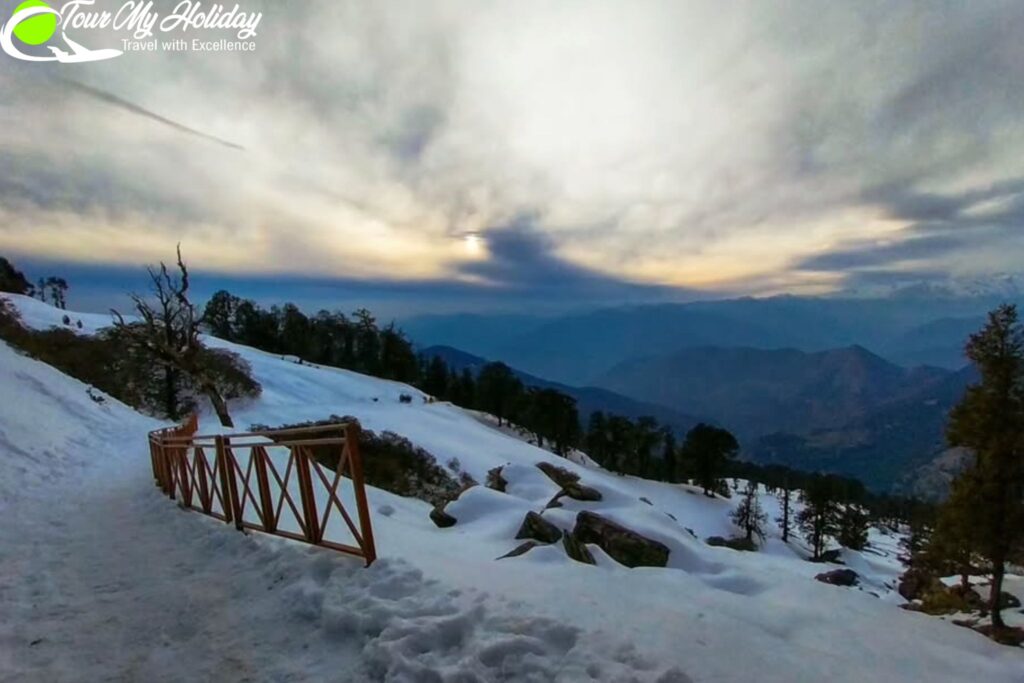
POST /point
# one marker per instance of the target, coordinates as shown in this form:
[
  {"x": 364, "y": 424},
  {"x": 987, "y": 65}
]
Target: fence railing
[{"x": 279, "y": 481}]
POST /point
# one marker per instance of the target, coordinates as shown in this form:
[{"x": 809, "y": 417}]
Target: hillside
[
  {"x": 588, "y": 399},
  {"x": 755, "y": 391},
  {"x": 899, "y": 446},
  {"x": 96, "y": 561}
]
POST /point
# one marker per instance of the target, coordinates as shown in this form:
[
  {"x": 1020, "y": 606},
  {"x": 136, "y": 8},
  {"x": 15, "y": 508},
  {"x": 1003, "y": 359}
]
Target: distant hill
[
  {"x": 588, "y": 399},
  {"x": 578, "y": 348},
  {"x": 899, "y": 446},
  {"x": 754, "y": 392}
]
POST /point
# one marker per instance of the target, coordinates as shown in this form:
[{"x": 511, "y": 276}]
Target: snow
[{"x": 103, "y": 578}]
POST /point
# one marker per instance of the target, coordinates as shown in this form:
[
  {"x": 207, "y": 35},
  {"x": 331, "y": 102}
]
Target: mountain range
[
  {"x": 858, "y": 386},
  {"x": 588, "y": 399}
]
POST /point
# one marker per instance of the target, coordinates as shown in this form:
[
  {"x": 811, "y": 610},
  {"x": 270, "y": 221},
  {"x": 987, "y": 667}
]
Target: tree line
[{"x": 50, "y": 289}]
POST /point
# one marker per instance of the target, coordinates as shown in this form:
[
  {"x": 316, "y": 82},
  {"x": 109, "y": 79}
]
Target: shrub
[{"x": 390, "y": 462}]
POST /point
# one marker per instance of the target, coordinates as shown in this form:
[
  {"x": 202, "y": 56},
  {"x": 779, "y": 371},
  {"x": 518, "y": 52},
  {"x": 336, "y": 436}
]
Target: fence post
[
  {"x": 181, "y": 454},
  {"x": 205, "y": 499},
  {"x": 263, "y": 482},
  {"x": 227, "y": 478},
  {"x": 224, "y": 446},
  {"x": 355, "y": 460},
  {"x": 313, "y": 532}
]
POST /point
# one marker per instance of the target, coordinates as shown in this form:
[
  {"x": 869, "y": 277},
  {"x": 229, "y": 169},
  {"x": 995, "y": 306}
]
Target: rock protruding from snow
[
  {"x": 623, "y": 545},
  {"x": 570, "y": 483},
  {"x": 441, "y": 518},
  {"x": 839, "y": 577},
  {"x": 495, "y": 480},
  {"x": 577, "y": 549},
  {"x": 739, "y": 543},
  {"x": 520, "y": 549},
  {"x": 536, "y": 527}
]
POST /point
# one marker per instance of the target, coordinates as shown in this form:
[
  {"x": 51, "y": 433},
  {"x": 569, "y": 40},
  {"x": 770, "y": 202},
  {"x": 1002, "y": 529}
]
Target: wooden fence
[{"x": 277, "y": 481}]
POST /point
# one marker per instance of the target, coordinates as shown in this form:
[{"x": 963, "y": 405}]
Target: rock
[
  {"x": 442, "y": 518},
  {"x": 536, "y": 527},
  {"x": 577, "y": 549},
  {"x": 581, "y": 492},
  {"x": 570, "y": 483},
  {"x": 624, "y": 545},
  {"x": 495, "y": 480},
  {"x": 520, "y": 549},
  {"x": 834, "y": 556},
  {"x": 839, "y": 577},
  {"x": 559, "y": 475},
  {"x": 554, "y": 502},
  {"x": 738, "y": 543}
]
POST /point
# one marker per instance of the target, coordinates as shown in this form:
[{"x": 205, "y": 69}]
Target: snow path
[{"x": 101, "y": 578}]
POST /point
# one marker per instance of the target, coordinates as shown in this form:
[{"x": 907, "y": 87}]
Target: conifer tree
[
  {"x": 748, "y": 515},
  {"x": 990, "y": 422},
  {"x": 784, "y": 520},
  {"x": 709, "y": 449},
  {"x": 819, "y": 518},
  {"x": 852, "y": 527}
]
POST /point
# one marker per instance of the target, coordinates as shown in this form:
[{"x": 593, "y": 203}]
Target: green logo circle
[{"x": 38, "y": 29}]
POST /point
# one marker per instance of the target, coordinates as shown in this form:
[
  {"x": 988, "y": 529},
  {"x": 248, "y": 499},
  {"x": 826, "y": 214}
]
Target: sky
[{"x": 472, "y": 155}]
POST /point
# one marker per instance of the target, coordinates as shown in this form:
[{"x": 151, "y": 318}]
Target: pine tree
[
  {"x": 853, "y": 527},
  {"x": 498, "y": 390},
  {"x": 784, "y": 520},
  {"x": 950, "y": 548},
  {"x": 990, "y": 422},
  {"x": 13, "y": 280},
  {"x": 436, "y": 378},
  {"x": 709, "y": 449},
  {"x": 748, "y": 515},
  {"x": 819, "y": 518},
  {"x": 669, "y": 464}
]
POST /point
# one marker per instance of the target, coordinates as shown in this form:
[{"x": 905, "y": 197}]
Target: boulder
[
  {"x": 623, "y": 545},
  {"x": 839, "y": 577},
  {"x": 570, "y": 483},
  {"x": 554, "y": 502},
  {"x": 577, "y": 549},
  {"x": 441, "y": 518},
  {"x": 536, "y": 527},
  {"x": 737, "y": 543},
  {"x": 834, "y": 556},
  {"x": 581, "y": 492},
  {"x": 559, "y": 475},
  {"x": 495, "y": 480},
  {"x": 520, "y": 549}
]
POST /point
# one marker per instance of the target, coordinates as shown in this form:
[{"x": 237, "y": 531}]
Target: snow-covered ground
[{"x": 101, "y": 578}]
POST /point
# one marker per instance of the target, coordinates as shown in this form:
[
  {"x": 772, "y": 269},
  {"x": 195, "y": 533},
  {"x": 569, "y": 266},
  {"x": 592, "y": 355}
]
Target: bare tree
[{"x": 169, "y": 331}]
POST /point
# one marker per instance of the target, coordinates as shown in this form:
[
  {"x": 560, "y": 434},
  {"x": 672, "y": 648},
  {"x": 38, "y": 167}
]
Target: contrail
[{"x": 136, "y": 109}]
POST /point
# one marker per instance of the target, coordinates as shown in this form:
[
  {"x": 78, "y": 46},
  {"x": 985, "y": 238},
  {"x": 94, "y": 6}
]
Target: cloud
[{"x": 655, "y": 147}]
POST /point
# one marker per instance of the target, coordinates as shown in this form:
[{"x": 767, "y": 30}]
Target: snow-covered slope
[{"x": 101, "y": 577}]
